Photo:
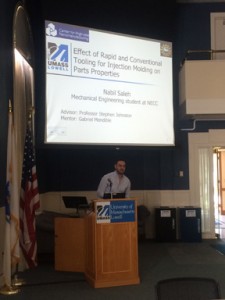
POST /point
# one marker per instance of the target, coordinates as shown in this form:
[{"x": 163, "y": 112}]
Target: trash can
[
  {"x": 165, "y": 224},
  {"x": 190, "y": 224}
]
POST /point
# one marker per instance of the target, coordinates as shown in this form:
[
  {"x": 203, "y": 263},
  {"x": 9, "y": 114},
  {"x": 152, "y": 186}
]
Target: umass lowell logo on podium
[{"x": 115, "y": 211}]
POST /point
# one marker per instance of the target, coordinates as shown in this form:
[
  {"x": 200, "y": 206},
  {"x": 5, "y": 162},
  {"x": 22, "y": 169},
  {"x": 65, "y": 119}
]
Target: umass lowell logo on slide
[
  {"x": 58, "y": 58},
  {"x": 58, "y": 53}
]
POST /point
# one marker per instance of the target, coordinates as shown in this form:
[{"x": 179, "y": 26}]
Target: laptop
[
  {"x": 114, "y": 196},
  {"x": 75, "y": 202}
]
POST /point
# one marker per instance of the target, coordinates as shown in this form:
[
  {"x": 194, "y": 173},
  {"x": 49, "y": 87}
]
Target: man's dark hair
[{"x": 119, "y": 159}]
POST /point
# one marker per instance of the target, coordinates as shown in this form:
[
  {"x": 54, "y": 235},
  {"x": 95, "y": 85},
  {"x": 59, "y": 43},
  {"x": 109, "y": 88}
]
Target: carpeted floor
[
  {"x": 220, "y": 247},
  {"x": 195, "y": 253},
  {"x": 157, "y": 261}
]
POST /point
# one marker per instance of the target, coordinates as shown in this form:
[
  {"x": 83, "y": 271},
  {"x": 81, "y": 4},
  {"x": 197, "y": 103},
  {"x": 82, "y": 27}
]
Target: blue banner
[{"x": 115, "y": 211}]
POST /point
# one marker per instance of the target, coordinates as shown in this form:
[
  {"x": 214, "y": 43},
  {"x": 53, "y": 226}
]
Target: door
[
  {"x": 222, "y": 181},
  {"x": 219, "y": 191}
]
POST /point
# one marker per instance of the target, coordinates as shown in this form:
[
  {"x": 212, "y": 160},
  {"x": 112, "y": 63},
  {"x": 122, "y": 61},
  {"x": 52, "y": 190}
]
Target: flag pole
[
  {"x": 5, "y": 290},
  {"x": 8, "y": 289},
  {"x": 16, "y": 280}
]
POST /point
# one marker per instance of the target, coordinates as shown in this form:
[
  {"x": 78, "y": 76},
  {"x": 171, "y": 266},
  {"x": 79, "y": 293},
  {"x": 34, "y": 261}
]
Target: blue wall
[
  {"x": 68, "y": 168},
  {"x": 188, "y": 27},
  {"x": 81, "y": 169}
]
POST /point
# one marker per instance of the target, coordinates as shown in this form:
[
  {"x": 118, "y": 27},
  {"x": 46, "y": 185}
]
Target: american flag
[{"x": 29, "y": 203}]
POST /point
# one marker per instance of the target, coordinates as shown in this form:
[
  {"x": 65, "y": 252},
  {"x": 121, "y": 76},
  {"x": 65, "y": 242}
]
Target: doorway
[
  {"x": 203, "y": 179},
  {"x": 219, "y": 190}
]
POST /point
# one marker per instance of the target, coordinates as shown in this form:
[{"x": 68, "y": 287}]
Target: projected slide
[{"x": 104, "y": 88}]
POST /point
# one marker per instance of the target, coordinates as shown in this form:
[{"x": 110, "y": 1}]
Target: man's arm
[
  {"x": 101, "y": 187},
  {"x": 127, "y": 192}
]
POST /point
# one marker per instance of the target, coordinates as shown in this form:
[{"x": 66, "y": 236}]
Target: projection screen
[{"x": 104, "y": 88}]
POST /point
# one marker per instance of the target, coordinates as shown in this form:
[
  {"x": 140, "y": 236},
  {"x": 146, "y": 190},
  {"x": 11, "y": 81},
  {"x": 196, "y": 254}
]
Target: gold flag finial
[
  {"x": 31, "y": 112},
  {"x": 10, "y": 106}
]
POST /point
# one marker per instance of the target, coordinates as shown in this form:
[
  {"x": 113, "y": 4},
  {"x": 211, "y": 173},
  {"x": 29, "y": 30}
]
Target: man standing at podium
[{"x": 115, "y": 184}]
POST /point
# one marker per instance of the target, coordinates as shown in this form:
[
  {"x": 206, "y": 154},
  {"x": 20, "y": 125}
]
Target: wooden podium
[
  {"x": 112, "y": 243},
  {"x": 70, "y": 244}
]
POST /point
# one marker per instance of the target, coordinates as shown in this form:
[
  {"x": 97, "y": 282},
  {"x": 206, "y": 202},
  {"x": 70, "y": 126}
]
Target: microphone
[{"x": 110, "y": 185}]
